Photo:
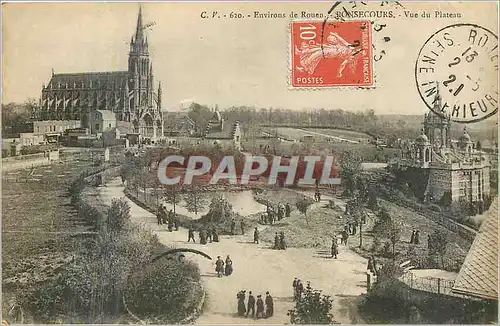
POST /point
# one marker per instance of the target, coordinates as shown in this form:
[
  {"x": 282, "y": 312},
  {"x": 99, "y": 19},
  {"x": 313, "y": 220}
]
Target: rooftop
[{"x": 478, "y": 276}]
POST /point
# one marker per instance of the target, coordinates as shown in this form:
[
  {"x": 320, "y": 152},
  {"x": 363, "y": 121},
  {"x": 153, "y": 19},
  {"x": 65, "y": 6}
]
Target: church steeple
[{"x": 139, "y": 32}]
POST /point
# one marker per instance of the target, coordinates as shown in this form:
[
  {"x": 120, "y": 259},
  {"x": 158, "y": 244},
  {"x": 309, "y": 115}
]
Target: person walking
[
  {"x": 233, "y": 226},
  {"x": 287, "y": 210},
  {"x": 276, "y": 241},
  {"x": 260, "y": 307},
  {"x": 335, "y": 249},
  {"x": 219, "y": 266},
  {"x": 241, "y": 303},
  {"x": 209, "y": 235},
  {"x": 158, "y": 215},
  {"x": 251, "y": 304},
  {"x": 215, "y": 236},
  {"x": 412, "y": 238},
  {"x": 345, "y": 237},
  {"x": 242, "y": 226},
  {"x": 282, "y": 241},
  {"x": 256, "y": 236},
  {"x": 269, "y": 305},
  {"x": 191, "y": 235},
  {"x": 294, "y": 285},
  {"x": 417, "y": 237},
  {"x": 300, "y": 289},
  {"x": 229, "y": 266}
]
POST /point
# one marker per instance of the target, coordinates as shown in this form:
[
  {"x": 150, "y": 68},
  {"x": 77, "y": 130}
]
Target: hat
[
  {"x": 218, "y": 256},
  {"x": 259, "y": 296},
  {"x": 250, "y": 292},
  {"x": 267, "y": 292}
]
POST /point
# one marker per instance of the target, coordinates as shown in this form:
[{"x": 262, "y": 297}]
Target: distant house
[
  {"x": 178, "y": 124},
  {"x": 101, "y": 121},
  {"x": 223, "y": 134}
]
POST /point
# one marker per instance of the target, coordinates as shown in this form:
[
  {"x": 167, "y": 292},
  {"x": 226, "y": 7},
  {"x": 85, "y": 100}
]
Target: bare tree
[{"x": 195, "y": 199}]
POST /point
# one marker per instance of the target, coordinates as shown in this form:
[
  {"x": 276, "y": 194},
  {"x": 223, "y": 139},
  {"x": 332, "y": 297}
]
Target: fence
[
  {"x": 465, "y": 232},
  {"x": 427, "y": 284}
]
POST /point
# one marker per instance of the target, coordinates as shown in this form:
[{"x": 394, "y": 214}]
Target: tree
[
  {"x": 394, "y": 236},
  {"x": 220, "y": 209},
  {"x": 312, "y": 308},
  {"x": 438, "y": 244},
  {"x": 118, "y": 214},
  {"x": 195, "y": 199},
  {"x": 172, "y": 195},
  {"x": 350, "y": 168},
  {"x": 303, "y": 206}
]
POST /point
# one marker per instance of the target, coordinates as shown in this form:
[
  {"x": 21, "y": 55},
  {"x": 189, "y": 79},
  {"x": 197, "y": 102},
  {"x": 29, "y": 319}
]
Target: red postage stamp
[{"x": 341, "y": 55}]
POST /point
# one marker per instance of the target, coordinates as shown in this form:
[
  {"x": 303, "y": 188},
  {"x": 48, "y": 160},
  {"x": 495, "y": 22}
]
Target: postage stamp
[
  {"x": 338, "y": 55},
  {"x": 461, "y": 59}
]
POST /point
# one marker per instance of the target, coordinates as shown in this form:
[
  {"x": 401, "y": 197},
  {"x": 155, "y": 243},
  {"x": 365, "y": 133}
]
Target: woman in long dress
[{"x": 229, "y": 266}]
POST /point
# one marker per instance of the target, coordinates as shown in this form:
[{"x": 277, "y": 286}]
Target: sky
[{"x": 213, "y": 61}]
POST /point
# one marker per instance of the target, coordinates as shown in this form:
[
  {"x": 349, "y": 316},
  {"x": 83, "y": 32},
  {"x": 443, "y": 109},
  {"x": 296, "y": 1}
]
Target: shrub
[
  {"x": 434, "y": 208},
  {"x": 312, "y": 308},
  {"x": 164, "y": 288},
  {"x": 118, "y": 214}
]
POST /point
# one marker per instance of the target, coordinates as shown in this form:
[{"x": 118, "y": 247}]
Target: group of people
[
  {"x": 169, "y": 218},
  {"x": 205, "y": 235},
  {"x": 245, "y": 310},
  {"x": 351, "y": 227},
  {"x": 275, "y": 214},
  {"x": 223, "y": 268},
  {"x": 279, "y": 241},
  {"x": 415, "y": 237},
  {"x": 233, "y": 226},
  {"x": 298, "y": 289}
]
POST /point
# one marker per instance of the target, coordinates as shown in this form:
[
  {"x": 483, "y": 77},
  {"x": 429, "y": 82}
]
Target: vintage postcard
[{"x": 255, "y": 162}]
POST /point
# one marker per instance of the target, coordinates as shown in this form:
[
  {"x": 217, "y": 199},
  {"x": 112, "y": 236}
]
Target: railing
[{"x": 428, "y": 284}]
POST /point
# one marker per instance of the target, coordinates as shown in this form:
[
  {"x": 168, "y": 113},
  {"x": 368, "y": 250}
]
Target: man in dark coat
[
  {"x": 282, "y": 241},
  {"x": 209, "y": 235},
  {"x": 203, "y": 237},
  {"x": 335, "y": 249},
  {"x": 219, "y": 267},
  {"x": 260, "y": 307},
  {"x": 256, "y": 236},
  {"x": 215, "y": 236},
  {"x": 276, "y": 241},
  {"x": 191, "y": 235},
  {"x": 251, "y": 304},
  {"x": 300, "y": 289},
  {"x": 242, "y": 226},
  {"x": 158, "y": 215},
  {"x": 287, "y": 210},
  {"x": 269, "y": 305}
]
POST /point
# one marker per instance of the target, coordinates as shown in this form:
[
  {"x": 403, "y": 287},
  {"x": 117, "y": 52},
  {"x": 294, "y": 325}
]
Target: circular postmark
[{"x": 457, "y": 73}]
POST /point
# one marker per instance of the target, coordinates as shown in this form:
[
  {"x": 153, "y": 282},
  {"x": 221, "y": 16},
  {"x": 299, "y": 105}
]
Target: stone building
[
  {"x": 130, "y": 95},
  {"x": 222, "y": 134},
  {"x": 443, "y": 171}
]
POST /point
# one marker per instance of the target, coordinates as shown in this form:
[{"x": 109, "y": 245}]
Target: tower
[{"x": 139, "y": 67}]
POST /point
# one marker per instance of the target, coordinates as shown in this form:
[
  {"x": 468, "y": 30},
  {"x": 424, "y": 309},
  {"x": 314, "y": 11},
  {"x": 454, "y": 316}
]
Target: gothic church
[{"x": 131, "y": 96}]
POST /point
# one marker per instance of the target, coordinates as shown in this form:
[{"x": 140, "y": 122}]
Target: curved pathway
[{"x": 259, "y": 269}]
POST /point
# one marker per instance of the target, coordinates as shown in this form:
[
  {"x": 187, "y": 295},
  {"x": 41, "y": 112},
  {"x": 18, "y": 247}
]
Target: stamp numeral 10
[{"x": 308, "y": 32}]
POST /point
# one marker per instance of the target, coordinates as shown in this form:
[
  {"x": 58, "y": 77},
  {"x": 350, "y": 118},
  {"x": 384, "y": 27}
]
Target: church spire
[{"x": 139, "y": 32}]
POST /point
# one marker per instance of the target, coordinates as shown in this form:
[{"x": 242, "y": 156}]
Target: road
[{"x": 259, "y": 269}]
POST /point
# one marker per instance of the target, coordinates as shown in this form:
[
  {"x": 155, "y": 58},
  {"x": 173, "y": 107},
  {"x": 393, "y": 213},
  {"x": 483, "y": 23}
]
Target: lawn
[
  {"x": 348, "y": 134},
  {"x": 36, "y": 219}
]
